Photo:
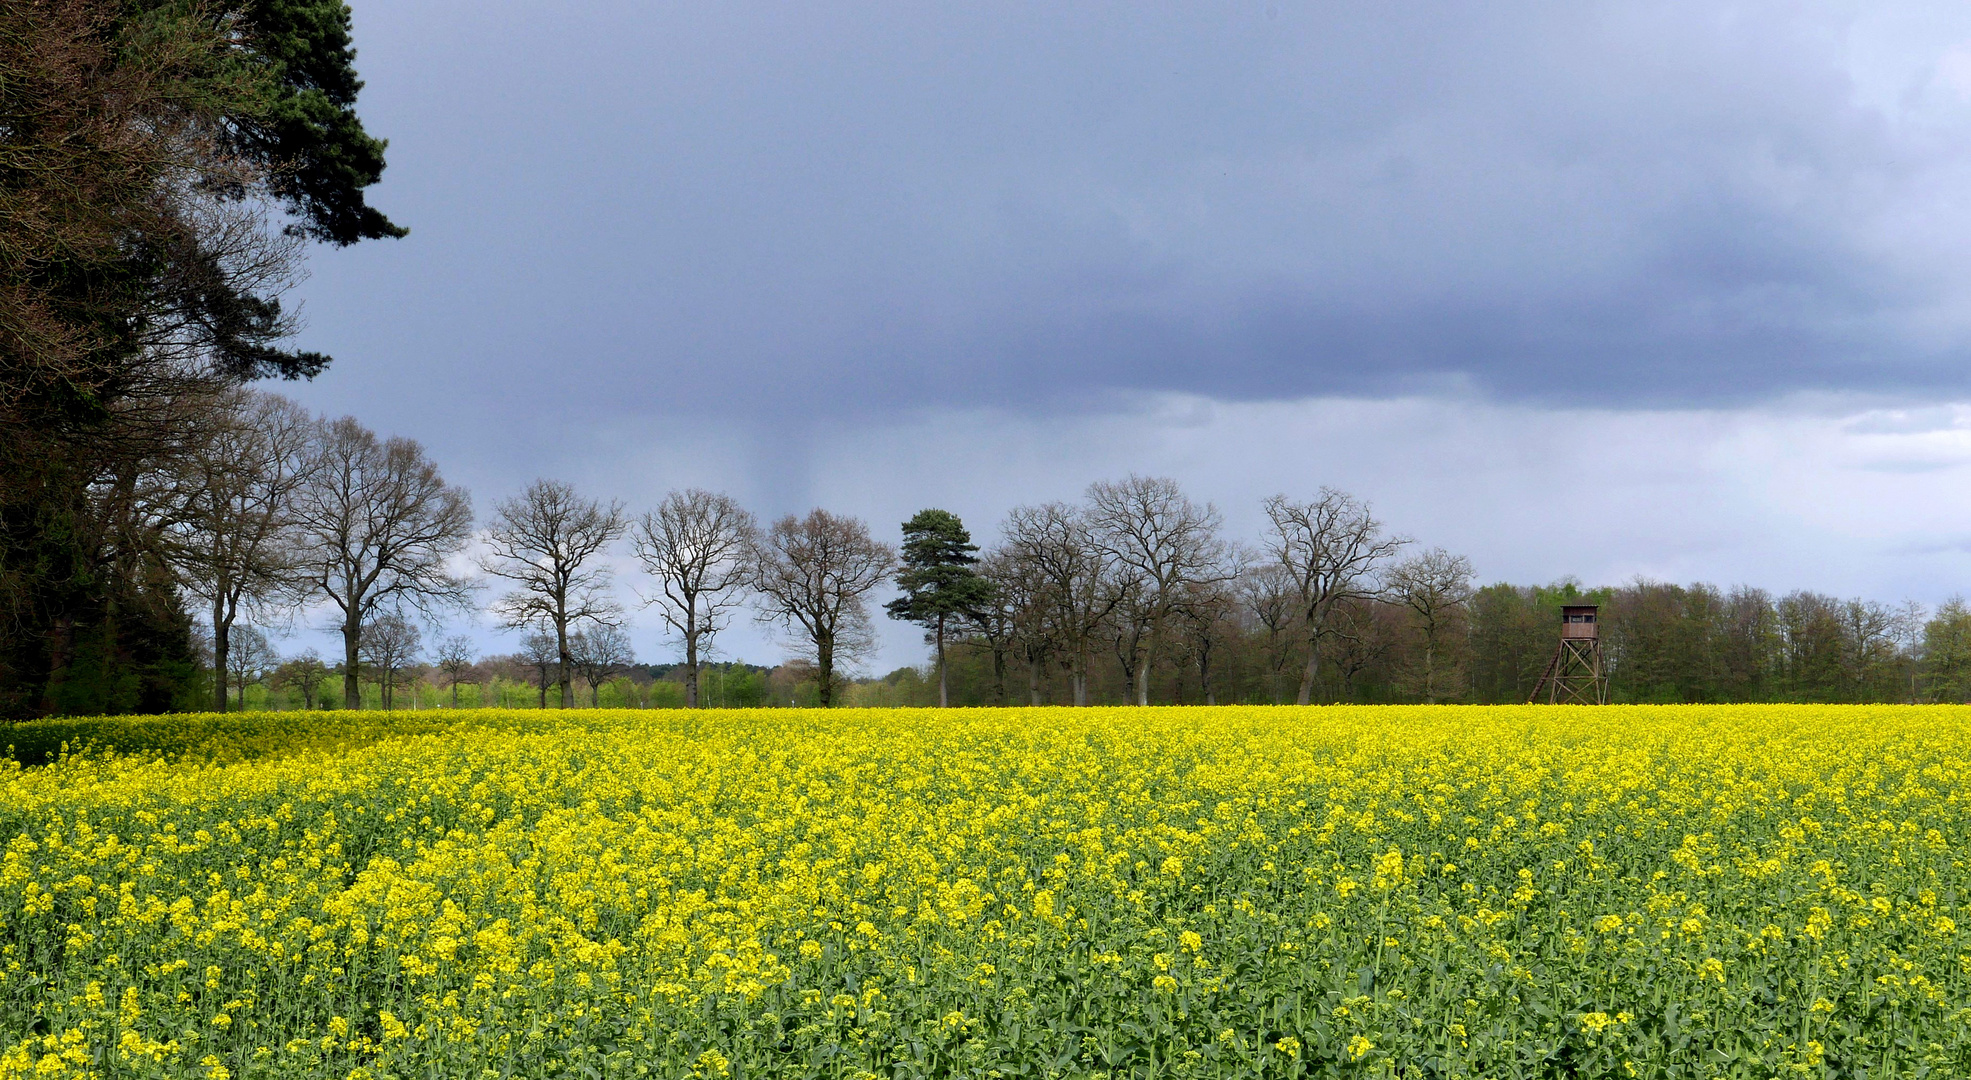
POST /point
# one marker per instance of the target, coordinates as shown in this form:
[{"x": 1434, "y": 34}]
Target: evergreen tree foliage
[
  {"x": 307, "y": 118},
  {"x": 938, "y": 581}
]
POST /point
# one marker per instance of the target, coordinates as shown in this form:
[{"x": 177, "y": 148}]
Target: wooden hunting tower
[{"x": 1574, "y": 675}]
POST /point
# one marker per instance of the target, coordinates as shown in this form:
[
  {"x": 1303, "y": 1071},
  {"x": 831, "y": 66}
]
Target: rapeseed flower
[{"x": 721, "y": 894}]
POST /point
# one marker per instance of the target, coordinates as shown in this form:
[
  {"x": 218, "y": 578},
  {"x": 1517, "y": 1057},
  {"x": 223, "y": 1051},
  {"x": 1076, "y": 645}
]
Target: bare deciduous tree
[
  {"x": 1161, "y": 543},
  {"x": 234, "y": 530},
  {"x": 250, "y": 660},
  {"x": 702, "y": 549},
  {"x": 600, "y": 653},
  {"x": 813, "y": 575},
  {"x": 1267, "y": 592},
  {"x": 1054, "y": 545},
  {"x": 1019, "y": 614},
  {"x": 1365, "y": 631},
  {"x": 1332, "y": 548},
  {"x": 546, "y": 541},
  {"x": 1001, "y": 621},
  {"x": 1205, "y": 614},
  {"x": 390, "y": 646},
  {"x": 541, "y": 653},
  {"x": 1132, "y": 612},
  {"x": 378, "y": 528},
  {"x": 454, "y": 657},
  {"x": 1436, "y": 586}
]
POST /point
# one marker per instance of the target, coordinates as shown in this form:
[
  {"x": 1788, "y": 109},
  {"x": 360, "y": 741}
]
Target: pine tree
[{"x": 937, "y": 580}]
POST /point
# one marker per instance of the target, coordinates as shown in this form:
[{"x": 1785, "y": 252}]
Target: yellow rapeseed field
[{"x": 1741, "y": 891}]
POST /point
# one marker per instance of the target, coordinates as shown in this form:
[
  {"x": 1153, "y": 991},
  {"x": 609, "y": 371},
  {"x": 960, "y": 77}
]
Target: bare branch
[
  {"x": 1055, "y": 547},
  {"x": 702, "y": 547},
  {"x": 546, "y": 541},
  {"x": 813, "y": 575},
  {"x": 379, "y": 528},
  {"x": 1331, "y": 549},
  {"x": 1158, "y": 543}
]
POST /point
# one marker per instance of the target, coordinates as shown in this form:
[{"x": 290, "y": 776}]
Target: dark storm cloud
[{"x": 778, "y": 210}]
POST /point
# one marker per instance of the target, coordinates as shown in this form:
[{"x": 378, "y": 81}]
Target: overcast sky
[{"x": 1603, "y": 290}]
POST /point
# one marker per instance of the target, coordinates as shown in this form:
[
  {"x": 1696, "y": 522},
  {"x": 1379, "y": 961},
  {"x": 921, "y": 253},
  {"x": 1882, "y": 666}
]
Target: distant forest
[{"x": 1662, "y": 643}]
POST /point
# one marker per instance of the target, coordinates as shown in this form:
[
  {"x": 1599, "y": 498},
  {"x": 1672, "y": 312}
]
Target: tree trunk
[
  {"x": 1081, "y": 680},
  {"x": 824, "y": 654},
  {"x": 944, "y": 695},
  {"x": 690, "y": 663},
  {"x": 1033, "y": 682},
  {"x": 222, "y": 647},
  {"x": 564, "y": 677},
  {"x": 61, "y": 643},
  {"x": 352, "y": 687},
  {"x": 1143, "y": 667},
  {"x": 1307, "y": 677}
]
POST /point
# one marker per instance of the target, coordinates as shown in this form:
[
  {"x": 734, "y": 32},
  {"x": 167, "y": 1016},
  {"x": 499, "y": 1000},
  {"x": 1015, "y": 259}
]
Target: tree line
[
  {"x": 1131, "y": 594},
  {"x": 1330, "y": 606}
]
